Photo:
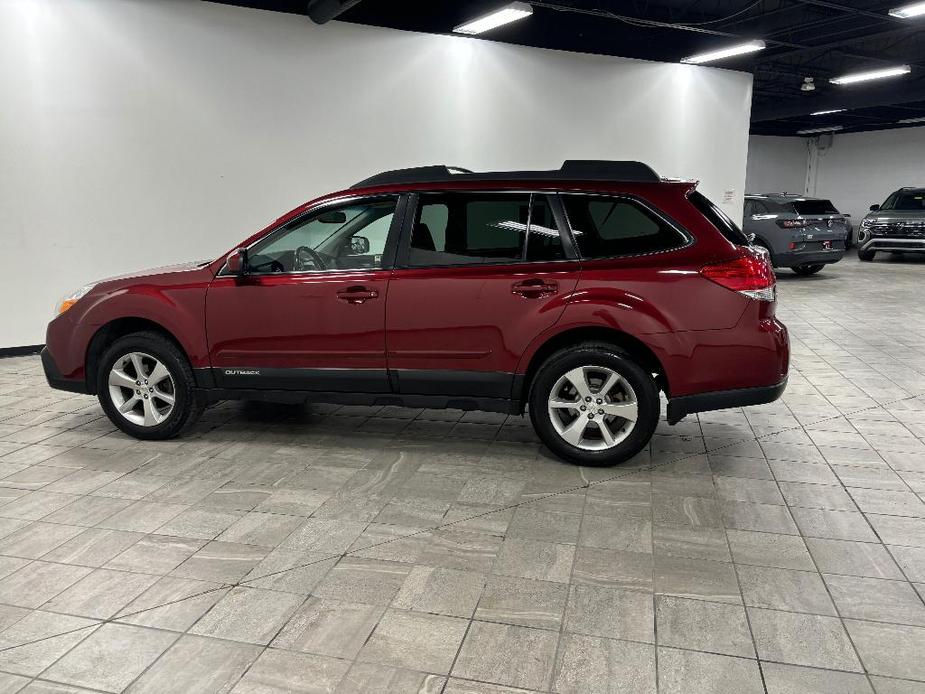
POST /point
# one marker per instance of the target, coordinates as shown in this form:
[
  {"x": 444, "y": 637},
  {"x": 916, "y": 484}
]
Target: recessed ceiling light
[
  {"x": 880, "y": 74},
  {"x": 719, "y": 54},
  {"x": 906, "y": 121},
  {"x": 813, "y": 131},
  {"x": 825, "y": 113},
  {"x": 492, "y": 20},
  {"x": 916, "y": 9}
]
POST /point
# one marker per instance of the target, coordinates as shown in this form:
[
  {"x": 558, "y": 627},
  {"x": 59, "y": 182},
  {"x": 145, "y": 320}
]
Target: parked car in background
[
  {"x": 801, "y": 233},
  {"x": 898, "y": 225},
  {"x": 578, "y": 293}
]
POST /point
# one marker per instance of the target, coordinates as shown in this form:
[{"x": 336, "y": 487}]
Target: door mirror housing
[
  {"x": 359, "y": 245},
  {"x": 236, "y": 262},
  {"x": 874, "y": 208}
]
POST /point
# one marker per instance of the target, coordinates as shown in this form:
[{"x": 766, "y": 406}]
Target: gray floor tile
[
  {"x": 784, "y": 589},
  {"x": 290, "y": 571},
  {"x": 522, "y": 601},
  {"x": 250, "y": 615},
  {"x": 691, "y": 543},
  {"x": 363, "y": 580},
  {"x": 696, "y": 578},
  {"x": 544, "y": 561},
  {"x": 38, "y": 582},
  {"x": 39, "y": 639},
  {"x": 93, "y": 547},
  {"x": 690, "y": 671},
  {"x": 703, "y": 626},
  {"x": 197, "y": 664},
  {"x": 626, "y": 534},
  {"x": 610, "y": 612},
  {"x": 613, "y": 568},
  {"x": 415, "y": 640},
  {"x": 100, "y": 594},
  {"x": 793, "y": 679},
  {"x": 155, "y": 554},
  {"x": 876, "y": 600},
  {"x": 284, "y": 671},
  {"x": 547, "y": 526},
  {"x": 172, "y": 603},
  {"x": 111, "y": 657},
  {"x": 508, "y": 655},
  {"x": 768, "y": 518},
  {"x": 853, "y": 558},
  {"x": 911, "y": 560},
  {"x": 802, "y": 639},
  {"x": 440, "y": 591},
  {"x": 833, "y": 525},
  {"x": 592, "y": 665},
  {"x": 224, "y": 562},
  {"x": 329, "y": 627},
  {"x": 266, "y": 529},
  {"x": 891, "y": 650},
  {"x": 768, "y": 549},
  {"x": 368, "y": 678}
]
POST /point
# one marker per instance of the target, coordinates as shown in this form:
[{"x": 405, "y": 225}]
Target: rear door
[
  {"x": 825, "y": 227},
  {"x": 478, "y": 276}
]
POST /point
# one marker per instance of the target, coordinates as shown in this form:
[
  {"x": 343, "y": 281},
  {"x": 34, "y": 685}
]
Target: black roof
[{"x": 571, "y": 170}]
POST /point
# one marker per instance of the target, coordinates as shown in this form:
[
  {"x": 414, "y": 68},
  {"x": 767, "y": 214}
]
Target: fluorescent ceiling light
[
  {"x": 813, "y": 131},
  {"x": 503, "y": 15},
  {"x": 906, "y": 121},
  {"x": 853, "y": 77},
  {"x": 916, "y": 9},
  {"x": 739, "y": 49},
  {"x": 825, "y": 113}
]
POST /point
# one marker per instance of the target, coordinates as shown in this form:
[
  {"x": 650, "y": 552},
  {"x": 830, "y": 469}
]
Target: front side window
[
  {"x": 482, "y": 228},
  {"x": 344, "y": 237},
  {"x": 605, "y": 227}
]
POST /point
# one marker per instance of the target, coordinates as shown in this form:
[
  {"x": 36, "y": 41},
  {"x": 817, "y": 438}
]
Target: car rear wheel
[
  {"x": 593, "y": 405},
  {"x": 866, "y": 256},
  {"x": 146, "y": 387},
  {"x": 806, "y": 269}
]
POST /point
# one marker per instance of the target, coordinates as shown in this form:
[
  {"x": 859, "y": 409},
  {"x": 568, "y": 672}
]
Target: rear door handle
[
  {"x": 534, "y": 288},
  {"x": 357, "y": 295}
]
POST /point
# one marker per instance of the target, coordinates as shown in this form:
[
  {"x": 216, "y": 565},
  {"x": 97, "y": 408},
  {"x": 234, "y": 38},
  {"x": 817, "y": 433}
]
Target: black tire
[
  {"x": 866, "y": 256},
  {"x": 594, "y": 354},
  {"x": 188, "y": 402},
  {"x": 806, "y": 269}
]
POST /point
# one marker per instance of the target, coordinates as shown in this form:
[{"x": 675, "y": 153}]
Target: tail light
[
  {"x": 791, "y": 223},
  {"x": 750, "y": 274}
]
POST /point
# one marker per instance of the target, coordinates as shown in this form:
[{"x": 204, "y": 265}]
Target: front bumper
[
  {"x": 892, "y": 243},
  {"x": 56, "y": 380},
  {"x": 681, "y": 406}
]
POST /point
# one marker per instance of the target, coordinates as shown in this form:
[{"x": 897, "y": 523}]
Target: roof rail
[{"x": 571, "y": 170}]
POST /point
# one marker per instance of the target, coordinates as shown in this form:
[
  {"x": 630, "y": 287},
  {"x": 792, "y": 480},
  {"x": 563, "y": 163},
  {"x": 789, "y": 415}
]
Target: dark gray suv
[
  {"x": 799, "y": 232},
  {"x": 898, "y": 225}
]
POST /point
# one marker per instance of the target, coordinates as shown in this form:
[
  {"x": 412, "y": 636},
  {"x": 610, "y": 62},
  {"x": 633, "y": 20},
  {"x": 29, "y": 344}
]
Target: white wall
[
  {"x": 136, "y": 133},
  {"x": 776, "y": 164},
  {"x": 860, "y": 169}
]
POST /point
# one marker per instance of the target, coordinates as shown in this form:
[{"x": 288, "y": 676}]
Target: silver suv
[
  {"x": 898, "y": 225},
  {"x": 799, "y": 232}
]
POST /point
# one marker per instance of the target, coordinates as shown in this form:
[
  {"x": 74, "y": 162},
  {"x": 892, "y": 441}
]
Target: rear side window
[
  {"x": 719, "y": 219},
  {"x": 811, "y": 207},
  {"x": 479, "y": 228},
  {"x": 605, "y": 227}
]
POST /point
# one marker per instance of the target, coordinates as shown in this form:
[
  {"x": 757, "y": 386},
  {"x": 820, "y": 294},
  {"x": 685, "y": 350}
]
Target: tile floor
[{"x": 353, "y": 549}]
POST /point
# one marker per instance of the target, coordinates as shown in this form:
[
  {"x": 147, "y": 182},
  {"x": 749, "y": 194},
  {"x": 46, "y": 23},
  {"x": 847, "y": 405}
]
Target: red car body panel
[{"x": 466, "y": 319}]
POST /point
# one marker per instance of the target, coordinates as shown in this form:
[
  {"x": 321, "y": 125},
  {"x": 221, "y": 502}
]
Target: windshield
[
  {"x": 811, "y": 207},
  {"x": 905, "y": 200}
]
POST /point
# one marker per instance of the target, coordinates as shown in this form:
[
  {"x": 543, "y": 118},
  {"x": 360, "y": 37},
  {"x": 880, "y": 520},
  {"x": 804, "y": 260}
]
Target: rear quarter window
[
  {"x": 719, "y": 219},
  {"x": 612, "y": 226}
]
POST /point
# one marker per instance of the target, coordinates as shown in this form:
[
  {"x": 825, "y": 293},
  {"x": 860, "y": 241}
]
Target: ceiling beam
[{"x": 885, "y": 94}]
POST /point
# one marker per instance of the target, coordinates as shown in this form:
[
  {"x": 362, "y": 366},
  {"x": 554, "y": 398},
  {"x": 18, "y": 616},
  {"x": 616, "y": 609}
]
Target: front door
[
  {"x": 482, "y": 275},
  {"x": 310, "y": 312}
]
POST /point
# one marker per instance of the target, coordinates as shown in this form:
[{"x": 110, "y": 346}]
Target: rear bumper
[
  {"x": 808, "y": 258},
  {"x": 680, "y": 407},
  {"x": 56, "y": 380}
]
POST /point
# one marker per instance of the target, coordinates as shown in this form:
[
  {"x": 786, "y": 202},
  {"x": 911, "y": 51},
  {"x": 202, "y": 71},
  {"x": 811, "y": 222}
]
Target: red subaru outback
[{"x": 578, "y": 294}]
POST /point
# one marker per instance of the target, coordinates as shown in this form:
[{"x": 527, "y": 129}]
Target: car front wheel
[
  {"x": 866, "y": 256},
  {"x": 146, "y": 387},
  {"x": 593, "y": 405}
]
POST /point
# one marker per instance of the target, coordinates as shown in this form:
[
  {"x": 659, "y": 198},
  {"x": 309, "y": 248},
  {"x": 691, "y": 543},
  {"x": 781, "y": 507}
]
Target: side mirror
[
  {"x": 236, "y": 262},
  {"x": 359, "y": 245},
  {"x": 874, "y": 208}
]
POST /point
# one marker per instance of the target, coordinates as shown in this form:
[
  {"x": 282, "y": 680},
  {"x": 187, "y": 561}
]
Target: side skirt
[{"x": 503, "y": 405}]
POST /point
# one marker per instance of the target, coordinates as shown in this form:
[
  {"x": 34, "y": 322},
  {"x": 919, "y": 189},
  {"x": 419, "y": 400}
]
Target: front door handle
[
  {"x": 534, "y": 288},
  {"x": 357, "y": 295}
]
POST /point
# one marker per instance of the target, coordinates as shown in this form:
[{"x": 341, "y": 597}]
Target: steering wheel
[{"x": 307, "y": 259}]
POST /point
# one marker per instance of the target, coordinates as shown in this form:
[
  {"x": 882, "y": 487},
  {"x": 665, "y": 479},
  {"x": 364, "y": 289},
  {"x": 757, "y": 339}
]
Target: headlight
[
  {"x": 866, "y": 223},
  {"x": 72, "y": 299}
]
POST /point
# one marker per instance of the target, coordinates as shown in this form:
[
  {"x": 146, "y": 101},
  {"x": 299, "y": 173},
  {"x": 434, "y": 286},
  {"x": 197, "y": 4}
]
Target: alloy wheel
[
  {"x": 593, "y": 408},
  {"x": 142, "y": 389}
]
